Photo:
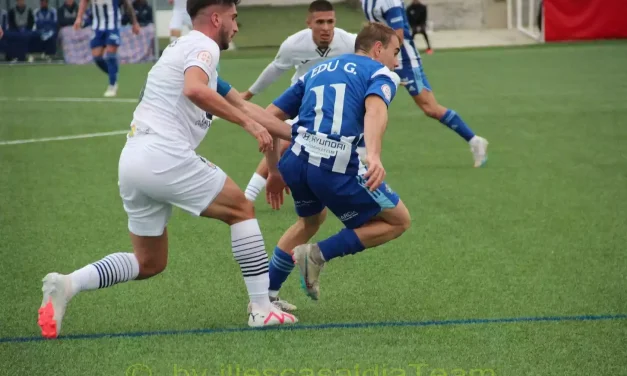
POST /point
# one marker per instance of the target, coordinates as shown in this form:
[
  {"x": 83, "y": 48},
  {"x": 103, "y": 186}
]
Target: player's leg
[
  {"x": 420, "y": 90},
  {"x": 423, "y": 30},
  {"x": 248, "y": 247},
  {"x": 97, "y": 45},
  {"x": 147, "y": 221},
  {"x": 311, "y": 214},
  {"x": 208, "y": 192},
  {"x": 370, "y": 219},
  {"x": 258, "y": 181},
  {"x": 282, "y": 263},
  {"x": 111, "y": 58}
]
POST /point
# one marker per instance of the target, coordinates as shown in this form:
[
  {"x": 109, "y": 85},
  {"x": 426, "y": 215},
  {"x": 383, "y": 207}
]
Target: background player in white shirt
[
  {"x": 158, "y": 169},
  {"x": 300, "y": 51},
  {"x": 180, "y": 18}
]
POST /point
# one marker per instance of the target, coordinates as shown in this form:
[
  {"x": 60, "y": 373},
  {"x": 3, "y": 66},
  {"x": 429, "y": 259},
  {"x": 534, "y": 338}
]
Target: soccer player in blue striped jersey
[
  {"x": 106, "y": 37},
  {"x": 342, "y": 106},
  {"x": 393, "y": 14}
]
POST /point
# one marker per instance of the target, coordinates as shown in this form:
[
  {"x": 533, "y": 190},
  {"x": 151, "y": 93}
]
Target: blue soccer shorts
[
  {"x": 414, "y": 77},
  {"x": 346, "y": 196},
  {"x": 104, "y": 38}
]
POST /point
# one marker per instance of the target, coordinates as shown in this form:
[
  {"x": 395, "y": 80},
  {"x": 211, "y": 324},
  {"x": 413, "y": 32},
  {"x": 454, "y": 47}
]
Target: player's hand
[
  {"x": 247, "y": 95},
  {"x": 1, "y": 32},
  {"x": 136, "y": 28},
  {"x": 375, "y": 174},
  {"x": 77, "y": 24},
  {"x": 261, "y": 134},
  {"x": 274, "y": 190}
]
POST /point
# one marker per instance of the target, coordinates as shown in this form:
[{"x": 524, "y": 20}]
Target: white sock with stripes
[
  {"x": 250, "y": 252},
  {"x": 256, "y": 184},
  {"x": 113, "y": 269}
]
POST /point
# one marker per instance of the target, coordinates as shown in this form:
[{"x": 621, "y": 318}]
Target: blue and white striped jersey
[
  {"x": 330, "y": 103},
  {"x": 106, "y": 15},
  {"x": 393, "y": 14}
]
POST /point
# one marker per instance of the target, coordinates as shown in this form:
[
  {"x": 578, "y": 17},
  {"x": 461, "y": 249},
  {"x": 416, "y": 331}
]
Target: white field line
[
  {"x": 60, "y": 138},
  {"x": 67, "y": 99}
]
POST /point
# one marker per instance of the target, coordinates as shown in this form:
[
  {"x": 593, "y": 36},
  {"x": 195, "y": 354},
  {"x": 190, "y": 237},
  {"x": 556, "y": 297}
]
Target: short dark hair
[
  {"x": 371, "y": 33},
  {"x": 195, "y": 6},
  {"x": 320, "y": 6}
]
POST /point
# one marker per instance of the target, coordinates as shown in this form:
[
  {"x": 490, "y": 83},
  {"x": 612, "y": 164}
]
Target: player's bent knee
[
  {"x": 399, "y": 219},
  {"x": 243, "y": 210},
  {"x": 151, "y": 253},
  {"x": 150, "y": 267}
]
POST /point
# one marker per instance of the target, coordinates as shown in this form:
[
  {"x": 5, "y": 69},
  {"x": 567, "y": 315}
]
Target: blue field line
[{"x": 357, "y": 325}]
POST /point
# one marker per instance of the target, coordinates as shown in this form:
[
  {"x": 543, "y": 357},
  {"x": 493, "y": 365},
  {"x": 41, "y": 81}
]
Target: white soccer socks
[
  {"x": 113, "y": 269},
  {"x": 255, "y": 186},
  {"x": 250, "y": 252}
]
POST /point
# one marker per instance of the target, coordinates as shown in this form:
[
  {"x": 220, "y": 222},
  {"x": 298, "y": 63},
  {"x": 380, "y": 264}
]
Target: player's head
[
  {"x": 215, "y": 18},
  {"x": 380, "y": 42},
  {"x": 321, "y": 21}
]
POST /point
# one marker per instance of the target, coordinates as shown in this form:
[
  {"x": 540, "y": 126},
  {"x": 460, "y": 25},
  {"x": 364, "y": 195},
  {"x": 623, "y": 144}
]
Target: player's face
[
  {"x": 228, "y": 27},
  {"x": 322, "y": 25},
  {"x": 387, "y": 55}
]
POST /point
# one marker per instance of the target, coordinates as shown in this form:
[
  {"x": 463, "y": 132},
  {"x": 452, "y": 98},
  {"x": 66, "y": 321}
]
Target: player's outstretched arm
[
  {"x": 82, "y": 5},
  {"x": 272, "y": 72},
  {"x": 276, "y": 127},
  {"x": 375, "y": 122},
  {"x": 209, "y": 100},
  {"x": 131, "y": 12}
]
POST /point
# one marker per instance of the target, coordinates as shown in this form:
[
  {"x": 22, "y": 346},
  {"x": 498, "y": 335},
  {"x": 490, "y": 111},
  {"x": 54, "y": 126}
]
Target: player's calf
[
  {"x": 248, "y": 247},
  {"x": 282, "y": 264}
]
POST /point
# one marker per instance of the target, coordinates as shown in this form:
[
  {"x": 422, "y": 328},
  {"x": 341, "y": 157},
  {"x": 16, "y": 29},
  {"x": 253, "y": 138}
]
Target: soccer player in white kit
[
  {"x": 180, "y": 18},
  {"x": 158, "y": 169},
  {"x": 301, "y": 51}
]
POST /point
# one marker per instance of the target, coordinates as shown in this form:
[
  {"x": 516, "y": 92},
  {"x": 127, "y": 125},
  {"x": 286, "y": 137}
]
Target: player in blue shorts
[
  {"x": 106, "y": 35},
  {"x": 342, "y": 106},
  {"x": 392, "y": 13}
]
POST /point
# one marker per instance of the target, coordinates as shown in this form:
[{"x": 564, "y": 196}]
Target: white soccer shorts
[
  {"x": 179, "y": 18},
  {"x": 152, "y": 179}
]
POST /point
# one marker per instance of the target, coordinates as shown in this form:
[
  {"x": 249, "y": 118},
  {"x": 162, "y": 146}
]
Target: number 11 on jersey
[{"x": 338, "y": 107}]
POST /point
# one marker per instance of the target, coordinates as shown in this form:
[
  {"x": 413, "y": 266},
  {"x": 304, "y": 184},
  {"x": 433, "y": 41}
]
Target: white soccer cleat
[
  {"x": 112, "y": 91},
  {"x": 55, "y": 289},
  {"x": 309, "y": 269},
  {"x": 479, "y": 149},
  {"x": 258, "y": 317}
]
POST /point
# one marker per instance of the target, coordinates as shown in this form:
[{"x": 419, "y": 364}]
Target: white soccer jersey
[
  {"x": 299, "y": 51},
  {"x": 163, "y": 109}
]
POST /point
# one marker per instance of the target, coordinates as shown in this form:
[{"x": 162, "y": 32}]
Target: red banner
[{"x": 566, "y": 20}]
